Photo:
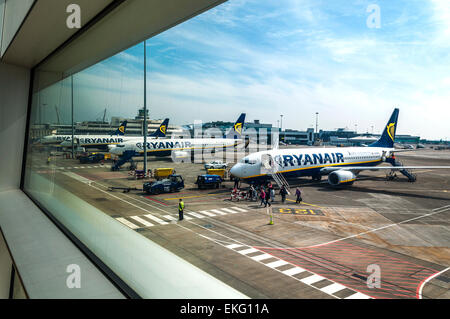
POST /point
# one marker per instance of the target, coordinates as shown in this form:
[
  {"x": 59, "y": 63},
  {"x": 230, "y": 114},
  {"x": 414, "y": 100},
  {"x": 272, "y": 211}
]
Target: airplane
[
  {"x": 180, "y": 147},
  {"x": 59, "y": 139},
  {"x": 106, "y": 142},
  {"x": 342, "y": 165}
]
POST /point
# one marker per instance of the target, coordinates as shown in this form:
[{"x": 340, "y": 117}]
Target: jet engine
[
  {"x": 181, "y": 156},
  {"x": 341, "y": 177}
]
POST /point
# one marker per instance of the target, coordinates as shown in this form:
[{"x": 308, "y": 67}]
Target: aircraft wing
[
  {"x": 404, "y": 150},
  {"x": 327, "y": 170}
]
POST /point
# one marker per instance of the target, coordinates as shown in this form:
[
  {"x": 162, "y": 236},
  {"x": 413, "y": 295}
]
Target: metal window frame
[{"x": 124, "y": 288}]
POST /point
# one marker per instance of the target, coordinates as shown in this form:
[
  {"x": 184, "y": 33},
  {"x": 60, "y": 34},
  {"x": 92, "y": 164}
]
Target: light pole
[
  {"x": 145, "y": 109},
  {"x": 317, "y": 125},
  {"x": 281, "y": 122}
]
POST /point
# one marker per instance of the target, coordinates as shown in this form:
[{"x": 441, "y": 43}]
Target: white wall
[{"x": 14, "y": 84}]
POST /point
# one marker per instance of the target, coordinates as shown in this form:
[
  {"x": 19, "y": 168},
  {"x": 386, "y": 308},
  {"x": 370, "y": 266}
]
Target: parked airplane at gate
[
  {"x": 342, "y": 165},
  {"x": 67, "y": 139},
  {"x": 180, "y": 147},
  {"x": 105, "y": 142}
]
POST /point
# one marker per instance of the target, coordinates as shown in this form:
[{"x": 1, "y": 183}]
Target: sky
[{"x": 287, "y": 57}]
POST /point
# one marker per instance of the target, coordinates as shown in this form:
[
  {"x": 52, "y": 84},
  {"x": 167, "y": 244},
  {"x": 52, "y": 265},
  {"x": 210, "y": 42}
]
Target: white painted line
[
  {"x": 248, "y": 251},
  {"x": 205, "y": 212},
  {"x": 195, "y": 215},
  {"x": 232, "y": 246},
  {"x": 142, "y": 221},
  {"x": 218, "y": 212},
  {"x": 312, "y": 279},
  {"x": 435, "y": 211},
  {"x": 229, "y": 211},
  {"x": 358, "y": 295},
  {"x": 331, "y": 289},
  {"x": 428, "y": 279},
  {"x": 277, "y": 263},
  {"x": 127, "y": 223},
  {"x": 293, "y": 271},
  {"x": 156, "y": 219},
  {"x": 170, "y": 217},
  {"x": 239, "y": 209},
  {"x": 261, "y": 257},
  {"x": 78, "y": 177}
]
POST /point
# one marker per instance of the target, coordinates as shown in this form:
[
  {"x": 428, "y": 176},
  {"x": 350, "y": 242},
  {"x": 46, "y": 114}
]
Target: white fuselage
[
  {"x": 308, "y": 161},
  {"x": 163, "y": 147}
]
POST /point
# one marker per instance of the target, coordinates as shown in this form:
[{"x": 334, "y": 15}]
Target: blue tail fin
[
  {"x": 388, "y": 137},
  {"x": 121, "y": 129},
  {"x": 161, "y": 130},
  {"x": 236, "y": 130}
]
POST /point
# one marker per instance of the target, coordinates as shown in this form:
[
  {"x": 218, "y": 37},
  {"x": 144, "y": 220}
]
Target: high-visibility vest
[{"x": 181, "y": 206}]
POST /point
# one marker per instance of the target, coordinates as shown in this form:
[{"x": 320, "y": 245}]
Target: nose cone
[{"x": 236, "y": 170}]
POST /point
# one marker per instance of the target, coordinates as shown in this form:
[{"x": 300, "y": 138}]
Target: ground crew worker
[
  {"x": 298, "y": 193},
  {"x": 283, "y": 194},
  {"x": 180, "y": 209},
  {"x": 48, "y": 160}
]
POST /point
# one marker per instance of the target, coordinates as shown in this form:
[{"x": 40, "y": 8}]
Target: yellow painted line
[
  {"x": 305, "y": 203},
  {"x": 189, "y": 196}
]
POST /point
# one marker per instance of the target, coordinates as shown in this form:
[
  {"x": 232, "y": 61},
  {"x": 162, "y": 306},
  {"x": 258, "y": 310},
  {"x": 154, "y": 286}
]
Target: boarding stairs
[
  {"x": 273, "y": 169},
  {"x": 408, "y": 173},
  {"x": 126, "y": 157}
]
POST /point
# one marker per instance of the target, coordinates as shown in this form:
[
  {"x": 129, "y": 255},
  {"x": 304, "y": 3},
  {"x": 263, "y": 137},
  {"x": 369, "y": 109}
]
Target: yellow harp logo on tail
[
  {"x": 391, "y": 130},
  {"x": 238, "y": 128},
  {"x": 163, "y": 129},
  {"x": 122, "y": 129}
]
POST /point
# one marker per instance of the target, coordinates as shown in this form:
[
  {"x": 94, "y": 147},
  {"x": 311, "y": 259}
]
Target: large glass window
[{"x": 149, "y": 206}]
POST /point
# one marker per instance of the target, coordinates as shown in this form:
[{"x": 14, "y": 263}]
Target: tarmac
[{"x": 374, "y": 239}]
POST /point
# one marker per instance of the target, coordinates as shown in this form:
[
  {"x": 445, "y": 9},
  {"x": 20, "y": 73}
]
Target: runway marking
[
  {"x": 205, "y": 212},
  {"x": 330, "y": 289},
  {"x": 277, "y": 264},
  {"x": 232, "y": 246},
  {"x": 312, "y": 279},
  {"x": 170, "y": 217},
  {"x": 434, "y": 211},
  {"x": 303, "y": 203},
  {"x": 142, "y": 221},
  {"x": 127, "y": 223},
  {"x": 248, "y": 251},
  {"x": 190, "y": 196},
  {"x": 229, "y": 210},
  {"x": 261, "y": 257},
  {"x": 195, "y": 215},
  {"x": 218, "y": 211},
  {"x": 423, "y": 283},
  {"x": 293, "y": 271},
  {"x": 239, "y": 209},
  {"x": 78, "y": 177},
  {"x": 156, "y": 219}
]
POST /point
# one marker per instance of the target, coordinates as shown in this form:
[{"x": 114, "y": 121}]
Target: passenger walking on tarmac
[
  {"x": 236, "y": 182},
  {"x": 267, "y": 199},
  {"x": 254, "y": 194},
  {"x": 298, "y": 193},
  {"x": 283, "y": 193},
  {"x": 272, "y": 191},
  {"x": 262, "y": 195},
  {"x": 180, "y": 209}
]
